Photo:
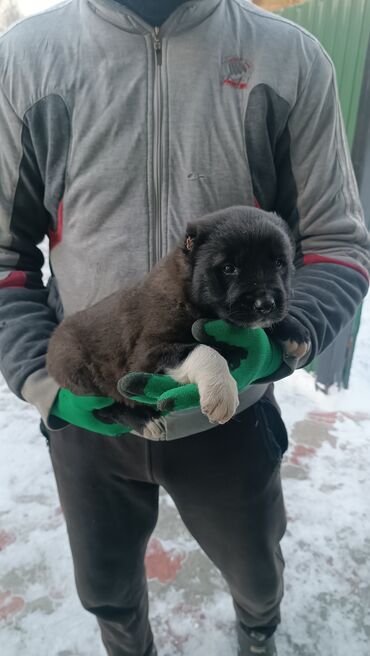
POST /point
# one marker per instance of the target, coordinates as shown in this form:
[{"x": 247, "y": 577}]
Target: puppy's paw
[
  {"x": 218, "y": 390},
  {"x": 219, "y": 400},
  {"x": 155, "y": 429},
  {"x": 295, "y": 349},
  {"x": 144, "y": 420},
  {"x": 293, "y": 337}
]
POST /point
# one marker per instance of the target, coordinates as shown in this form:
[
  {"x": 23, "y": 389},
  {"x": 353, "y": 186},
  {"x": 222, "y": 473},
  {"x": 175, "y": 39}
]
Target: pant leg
[
  {"x": 110, "y": 506},
  {"x": 226, "y": 485}
]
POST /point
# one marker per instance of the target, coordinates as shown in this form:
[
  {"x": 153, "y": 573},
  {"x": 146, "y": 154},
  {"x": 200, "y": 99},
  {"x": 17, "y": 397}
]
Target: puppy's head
[{"x": 241, "y": 262}]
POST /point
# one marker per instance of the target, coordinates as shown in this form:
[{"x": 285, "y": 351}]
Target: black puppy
[{"x": 235, "y": 264}]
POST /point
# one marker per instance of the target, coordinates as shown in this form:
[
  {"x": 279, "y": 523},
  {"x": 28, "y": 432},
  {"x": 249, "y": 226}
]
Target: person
[{"x": 120, "y": 121}]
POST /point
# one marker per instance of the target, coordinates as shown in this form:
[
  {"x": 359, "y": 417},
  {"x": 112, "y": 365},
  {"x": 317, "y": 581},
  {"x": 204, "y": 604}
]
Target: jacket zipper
[{"x": 157, "y": 149}]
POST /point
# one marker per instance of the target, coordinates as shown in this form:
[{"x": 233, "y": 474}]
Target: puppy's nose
[{"x": 264, "y": 304}]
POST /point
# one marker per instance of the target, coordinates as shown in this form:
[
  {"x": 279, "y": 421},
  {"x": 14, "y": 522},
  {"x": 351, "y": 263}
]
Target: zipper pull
[{"x": 158, "y": 46}]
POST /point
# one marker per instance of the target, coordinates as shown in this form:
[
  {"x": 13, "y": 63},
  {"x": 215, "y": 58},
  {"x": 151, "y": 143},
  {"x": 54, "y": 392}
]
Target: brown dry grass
[{"x": 273, "y": 5}]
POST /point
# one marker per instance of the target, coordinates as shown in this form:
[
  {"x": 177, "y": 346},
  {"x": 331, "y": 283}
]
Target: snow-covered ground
[{"x": 326, "y": 610}]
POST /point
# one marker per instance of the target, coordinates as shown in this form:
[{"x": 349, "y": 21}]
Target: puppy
[{"x": 235, "y": 264}]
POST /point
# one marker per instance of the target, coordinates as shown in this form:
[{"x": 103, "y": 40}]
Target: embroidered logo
[{"x": 236, "y": 72}]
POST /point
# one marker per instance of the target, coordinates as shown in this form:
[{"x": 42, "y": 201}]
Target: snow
[
  {"x": 326, "y": 547},
  {"x": 28, "y": 7}
]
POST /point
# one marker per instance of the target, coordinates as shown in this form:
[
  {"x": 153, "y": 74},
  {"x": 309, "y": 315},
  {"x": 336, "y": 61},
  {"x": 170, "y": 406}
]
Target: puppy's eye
[
  {"x": 279, "y": 263},
  {"x": 229, "y": 269}
]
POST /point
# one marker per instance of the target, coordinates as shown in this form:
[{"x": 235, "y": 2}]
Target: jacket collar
[{"x": 187, "y": 15}]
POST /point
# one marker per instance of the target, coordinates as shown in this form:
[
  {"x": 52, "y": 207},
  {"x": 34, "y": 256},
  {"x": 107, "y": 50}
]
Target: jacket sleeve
[
  {"x": 317, "y": 195},
  {"x": 26, "y": 320}
]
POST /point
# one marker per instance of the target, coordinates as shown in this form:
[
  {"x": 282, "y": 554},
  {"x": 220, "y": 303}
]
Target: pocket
[
  {"x": 48, "y": 432},
  {"x": 273, "y": 429},
  {"x": 44, "y": 431}
]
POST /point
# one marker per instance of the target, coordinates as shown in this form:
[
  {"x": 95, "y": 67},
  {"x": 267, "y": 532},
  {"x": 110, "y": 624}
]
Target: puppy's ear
[
  {"x": 285, "y": 228},
  {"x": 194, "y": 236},
  {"x": 189, "y": 243}
]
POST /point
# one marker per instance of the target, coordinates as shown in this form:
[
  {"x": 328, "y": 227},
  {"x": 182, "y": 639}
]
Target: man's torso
[{"x": 135, "y": 138}]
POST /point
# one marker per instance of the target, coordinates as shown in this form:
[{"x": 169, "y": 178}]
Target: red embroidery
[
  {"x": 236, "y": 72},
  {"x": 235, "y": 85}
]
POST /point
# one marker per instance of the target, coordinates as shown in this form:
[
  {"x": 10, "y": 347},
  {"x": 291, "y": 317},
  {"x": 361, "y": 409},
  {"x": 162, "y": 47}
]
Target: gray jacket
[{"x": 113, "y": 136}]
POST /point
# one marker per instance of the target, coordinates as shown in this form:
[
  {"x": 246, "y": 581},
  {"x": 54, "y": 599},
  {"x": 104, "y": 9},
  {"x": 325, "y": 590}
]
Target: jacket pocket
[
  {"x": 47, "y": 432},
  {"x": 273, "y": 429}
]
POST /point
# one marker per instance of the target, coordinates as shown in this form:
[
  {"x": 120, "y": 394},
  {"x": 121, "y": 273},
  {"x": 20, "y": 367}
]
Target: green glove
[
  {"x": 160, "y": 391},
  {"x": 250, "y": 353},
  {"x": 78, "y": 410}
]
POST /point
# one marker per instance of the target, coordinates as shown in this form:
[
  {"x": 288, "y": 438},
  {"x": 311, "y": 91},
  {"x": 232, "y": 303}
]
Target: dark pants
[{"x": 226, "y": 485}]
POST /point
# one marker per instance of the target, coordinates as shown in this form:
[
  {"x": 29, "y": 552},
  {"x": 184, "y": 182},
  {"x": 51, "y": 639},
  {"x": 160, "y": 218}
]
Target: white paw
[
  {"x": 155, "y": 429},
  {"x": 218, "y": 390},
  {"x": 295, "y": 349},
  {"x": 219, "y": 400}
]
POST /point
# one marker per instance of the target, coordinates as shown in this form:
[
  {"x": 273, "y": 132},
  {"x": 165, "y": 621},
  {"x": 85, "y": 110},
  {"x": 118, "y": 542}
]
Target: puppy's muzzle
[{"x": 264, "y": 305}]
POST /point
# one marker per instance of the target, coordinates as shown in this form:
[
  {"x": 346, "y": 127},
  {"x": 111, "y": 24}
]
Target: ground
[{"x": 327, "y": 546}]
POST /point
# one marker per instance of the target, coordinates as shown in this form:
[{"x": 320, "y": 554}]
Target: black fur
[{"x": 148, "y": 327}]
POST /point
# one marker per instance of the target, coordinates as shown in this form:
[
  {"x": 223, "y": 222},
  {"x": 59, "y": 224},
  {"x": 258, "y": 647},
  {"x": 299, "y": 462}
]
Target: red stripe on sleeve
[
  {"x": 55, "y": 236},
  {"x": 14, "y": 279},
  {"x": 312, "y": 258}
]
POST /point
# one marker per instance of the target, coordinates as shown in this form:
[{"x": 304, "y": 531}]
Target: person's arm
[
  {"x": 317, "y": 195},
  {"x": 26, "y": 321}
]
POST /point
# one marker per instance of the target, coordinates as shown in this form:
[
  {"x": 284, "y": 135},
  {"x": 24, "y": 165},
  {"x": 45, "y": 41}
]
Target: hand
[
  {"x": 249, "y": 352},
  {"x": 251, "y": 355},
  {"x": 160, "y": 391},
  {"x": 79, "y": 411}
]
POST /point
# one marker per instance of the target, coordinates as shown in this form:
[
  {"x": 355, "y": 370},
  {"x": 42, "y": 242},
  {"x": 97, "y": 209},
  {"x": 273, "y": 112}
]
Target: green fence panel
[{"x": 343, "y": 28}]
